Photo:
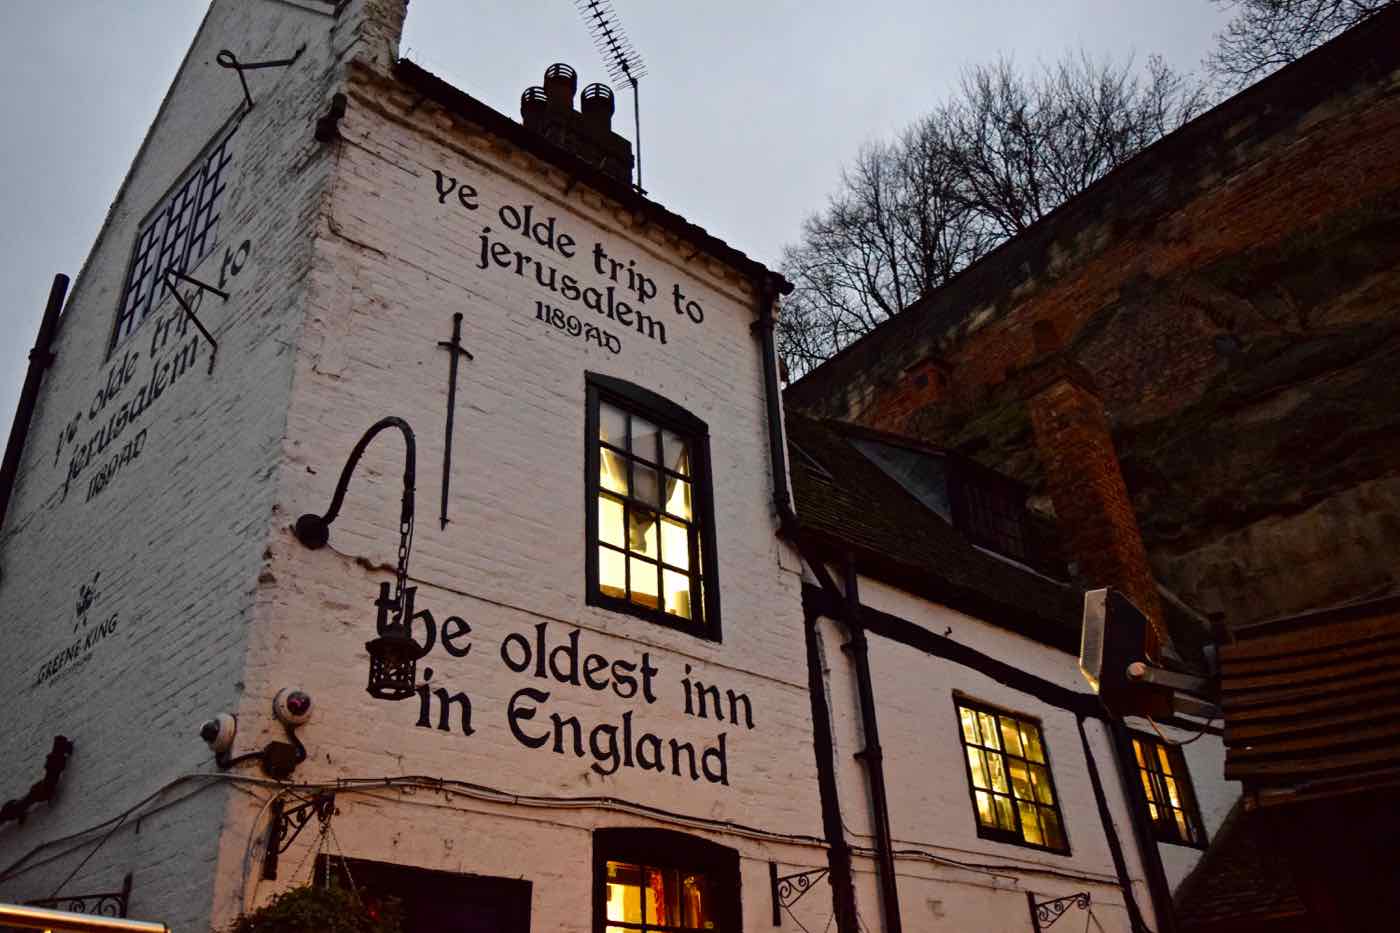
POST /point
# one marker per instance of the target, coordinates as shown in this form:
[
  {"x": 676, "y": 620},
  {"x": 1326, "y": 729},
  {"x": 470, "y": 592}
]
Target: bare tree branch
[{"x": 1265, "y": 35}]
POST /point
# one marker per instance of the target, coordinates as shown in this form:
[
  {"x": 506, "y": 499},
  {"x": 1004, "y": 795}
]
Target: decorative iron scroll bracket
[
  {"x": 189, "y": 312},
  {"x": 106, "y": 904},
  {"x": 227, "y": 59},
  {"x": 1045, "y": 913},
  {"x": 789, "y": 889},
  {"x": 287, "y": 824}
]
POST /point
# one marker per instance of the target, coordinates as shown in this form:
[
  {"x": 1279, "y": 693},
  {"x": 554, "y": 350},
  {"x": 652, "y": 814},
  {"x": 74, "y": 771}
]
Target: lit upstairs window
[
  {"x": 1008, "y": 770},
  {"x": 650, "y": 521},
  {"x": 178, "y": 234},
  {"x": 1171, "y": 801}
]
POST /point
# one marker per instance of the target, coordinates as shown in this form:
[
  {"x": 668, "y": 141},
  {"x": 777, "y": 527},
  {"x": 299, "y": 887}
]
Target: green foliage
[{"x": 319, "y": 910}]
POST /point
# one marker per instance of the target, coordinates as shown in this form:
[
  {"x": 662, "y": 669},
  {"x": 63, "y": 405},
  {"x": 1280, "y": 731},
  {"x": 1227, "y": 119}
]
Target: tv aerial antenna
[{"x": 624, "y": 62}]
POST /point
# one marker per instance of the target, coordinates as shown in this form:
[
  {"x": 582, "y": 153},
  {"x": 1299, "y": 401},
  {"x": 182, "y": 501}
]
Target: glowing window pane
[
  {"x": 979, "y": 769},
  {"x": 1040, "y": 779},
  {"x": 1172, "y": 794},
  {"x": 1147, "y": 786},
  {"x": 641, "y": 533},
  {"x": 1181, "y": 825},
  {"x": 646, "y": 590},
  {"x": 697, "y": 903},
  {"x": 1137, "y": 750},
  {"x": 998, "y": 772},
  {"x": 677, "y": 592},
  {"x": 675, "y": 544},
  {"x": 610, "y": 520},
  {"x": 1005, "y": 818},
  {"x": 969, "y": 726},
  {"x": 646, "y": 485},
  {"x": 612, "y": 471},
  {"x": 624, "y": 893},
  {"x": 989, "y": 730},
  {"x": 1030, "y": 824},
  {"x": 1021, "y": 780},
  {"x": 612, "y": 573},
  {"x": 1030, "y": 739},
  {"x": 1011, "y": 736},
  {"x": 678, "y": 498},
  {"x": 663, "y": 896},
  {"x": 985, "y": 812},
  {"x": 1165, "y": 759}
]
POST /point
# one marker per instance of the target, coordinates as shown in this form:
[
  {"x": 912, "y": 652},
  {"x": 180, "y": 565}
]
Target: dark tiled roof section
[
  {"x": 1312, "y": 703},
  {"x": 493, "y": 121},
  {"x": 1240, "y": 885},
  {"x": 845, "y": 503}
]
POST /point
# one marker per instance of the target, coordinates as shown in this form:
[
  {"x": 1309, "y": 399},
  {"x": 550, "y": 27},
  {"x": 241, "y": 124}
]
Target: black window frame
[
  {"x": 996, "y": 834},
  {"x": 667, "y": 848},
  {"x": 672, "y": 417},
  {"x": 1164, "y": 830},
  {"x": 514, "y": 895},
  {"x": 199, "y": 226},
  {"x": 988, "y": 508}
]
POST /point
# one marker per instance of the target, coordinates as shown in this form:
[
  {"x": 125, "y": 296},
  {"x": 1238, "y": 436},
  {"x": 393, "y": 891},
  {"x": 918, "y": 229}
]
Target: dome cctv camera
[
  {"x": 219, "y": 732},
  {"x": 292, "y": 707}
]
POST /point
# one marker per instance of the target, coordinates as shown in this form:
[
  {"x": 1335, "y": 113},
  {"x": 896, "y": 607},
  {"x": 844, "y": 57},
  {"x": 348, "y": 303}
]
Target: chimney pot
[
  {"x": 597, "y": 105},
  {"x": 533, "y": 104},
  {"x": 560, "y": 82}
]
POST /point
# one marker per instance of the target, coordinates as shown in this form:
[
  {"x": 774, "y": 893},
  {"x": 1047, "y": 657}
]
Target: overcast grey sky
[{"x": 748, "y": 111}]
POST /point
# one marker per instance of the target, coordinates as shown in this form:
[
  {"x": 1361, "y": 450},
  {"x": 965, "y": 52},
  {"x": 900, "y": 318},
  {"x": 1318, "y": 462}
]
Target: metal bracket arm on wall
[
  {"x": 287, "y": 824},
  {"x": 227, "y": 59},
  {"x": 189, "y": 312}
]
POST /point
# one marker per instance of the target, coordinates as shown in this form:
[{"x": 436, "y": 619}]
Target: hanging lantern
[{"x": 393, "y": 656}]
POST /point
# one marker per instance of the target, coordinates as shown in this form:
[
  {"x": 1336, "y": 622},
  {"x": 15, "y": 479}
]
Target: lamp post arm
[{"x": 314, "y": 530}]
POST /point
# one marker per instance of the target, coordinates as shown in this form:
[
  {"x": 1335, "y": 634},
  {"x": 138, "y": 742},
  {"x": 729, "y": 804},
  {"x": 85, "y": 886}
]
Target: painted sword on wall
[{"x": 455, "y": 348}]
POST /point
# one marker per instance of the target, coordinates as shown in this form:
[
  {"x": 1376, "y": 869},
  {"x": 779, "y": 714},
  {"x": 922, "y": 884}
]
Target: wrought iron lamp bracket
[
  {"x": 1045, "y": 913},
  {"x": 288, "y": 822},
  {"x": 226, "y": 59}
]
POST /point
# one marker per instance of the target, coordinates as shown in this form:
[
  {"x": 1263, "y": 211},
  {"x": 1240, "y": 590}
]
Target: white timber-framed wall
[{"x": 948, "y": 877}]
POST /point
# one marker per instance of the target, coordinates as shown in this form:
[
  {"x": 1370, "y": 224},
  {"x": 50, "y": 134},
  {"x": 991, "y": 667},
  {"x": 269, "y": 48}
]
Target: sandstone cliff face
[{"x": 1235, "y": 292}]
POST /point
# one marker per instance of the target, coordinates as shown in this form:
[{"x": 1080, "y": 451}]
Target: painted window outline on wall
[
  {"x": 636, "y": 495},
  {"x": 685, "y": 882},
  {"x": 995, "y": 759},
  {"x": 1162, "y": 767},
  {"x": 178, "y": 233}
]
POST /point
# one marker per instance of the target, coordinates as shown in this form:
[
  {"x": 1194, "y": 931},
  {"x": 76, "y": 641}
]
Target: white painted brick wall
[
  {"x": 177, "y": 536},
  {"x": 393, "y": 265},
  {"x": 926, "y": 777}
]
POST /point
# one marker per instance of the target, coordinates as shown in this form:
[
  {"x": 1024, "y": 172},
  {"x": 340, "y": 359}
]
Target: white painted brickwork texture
[
  {"x": 394, "y": 262},
  {"x": 929, "y": 803},
  {"x": 177, "y": 534}
]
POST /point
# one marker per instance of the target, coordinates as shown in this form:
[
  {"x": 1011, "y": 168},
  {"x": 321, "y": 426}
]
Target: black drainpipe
[
  {"x": 1157, "y": 884},
  {"x": 871, "y": 755},
  {"x": 1115, "y": 848},
  {"x": 838, "y": 853},
  {"x": 40, "y": 358}
]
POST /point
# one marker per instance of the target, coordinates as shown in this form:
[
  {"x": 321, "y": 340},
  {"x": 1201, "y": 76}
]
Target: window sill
[
  {"x": 993, "y": 836},
  {"x": 706, "y": 632}
]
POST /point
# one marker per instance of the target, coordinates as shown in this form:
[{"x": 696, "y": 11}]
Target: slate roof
[
  {"x": 846, "y": 503},
  {"x": 1240, "y": 885}
]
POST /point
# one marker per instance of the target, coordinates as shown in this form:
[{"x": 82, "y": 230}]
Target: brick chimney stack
[
  {"x": 586, "y": 132},
  {"x": 1095, "y": 516}
]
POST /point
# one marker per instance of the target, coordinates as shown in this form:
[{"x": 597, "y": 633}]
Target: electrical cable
[{"x": 1204, "y": 729}]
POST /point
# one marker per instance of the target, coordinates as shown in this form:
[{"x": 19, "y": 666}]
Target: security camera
[
  {"x": 291, "y": 707},
  {"x": 219, "y": 732}
]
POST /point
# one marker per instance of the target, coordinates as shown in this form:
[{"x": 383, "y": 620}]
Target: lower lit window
[
  {"x": 661, "y": 880},
  {"x": 1171, "y": 801},
  {"x": 1008, "y": 769}
]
